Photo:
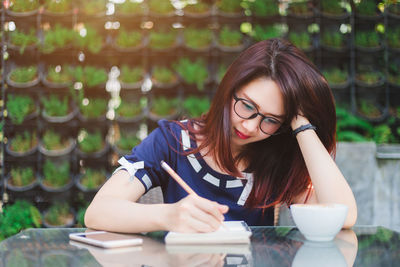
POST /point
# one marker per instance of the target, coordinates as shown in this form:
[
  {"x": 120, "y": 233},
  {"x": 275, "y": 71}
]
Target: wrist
[{"x": 304, "y": 127}]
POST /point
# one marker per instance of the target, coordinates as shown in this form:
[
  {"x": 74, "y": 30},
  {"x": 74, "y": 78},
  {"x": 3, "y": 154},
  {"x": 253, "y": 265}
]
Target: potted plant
[
  {"x": 163, "y": 107},
  {"x": 59, "y": 214},
  {"x": 351, "y": 128},
  {"x": 57, "y": 7},
  {"x": 394, "y": 75},
  {"x": 261, "y": 9},
  {"x": 393, "y": 38},
  {"x": 131, "y": 77},
  {"x": 197, "y": 39},
  {"x": 126, "y": 141},
  {"x": 301, "y": 39},
  {"x": 22, "y": 144},
  {"x": 337, "y": 78},
  {"x": 23, "y": 8},
  {"x": 57, "y": 38},
  {"x": 393, "y": 10},
  {"x": 93, "y": 108},
  {"x": 367, "y": 9},
  {"x": 91, "y": 179},
  {"x": 192, "y": 72},
  {"x": 23, "y": 77},
  {"x": 367, "y": 41},
  {"x": 197, "y": 10},
  {"x": 333, "y": 9},
  {"x": 88, "y": 38},
  {"x": 369, "y": 108},
  {"x": 91, "y": 143},
  {"x": 229, "y": 8},
  {"x": 21, "y": 178},
  {"x": 128, "y": 41},
  {"x": 163, "y": 77},
  {"x": 54, "y": 144},
  {"x": 131, "y": 8},
  {"x": 129, "y": 110},
  {"x": 230, "y": 40},
  {"x": 91, "y": 76},
  {"x": 300, "y": 9},
  {"x": 20, "y": 40},
  {"x": 195, "y": 106},
  {"x": 21, "y": 108},
  {"x": 264, "y": 32},
  {"x": 57, "y": 109},
  {"x": 56, "y": 175},
  {"x": 369, "y": 78},
  {"x": 94, "y": 7},
  {"x": 18, "y": 216},
  {"x": 163, "y": 39},
  {"x": 161, "y": 8},
  {"x": 333, "y": 40},
  {"x": 58, "y": 76}
]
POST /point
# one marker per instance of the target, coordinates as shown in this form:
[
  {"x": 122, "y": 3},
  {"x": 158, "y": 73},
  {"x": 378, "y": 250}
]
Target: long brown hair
[{"x": 276, "y": 162}]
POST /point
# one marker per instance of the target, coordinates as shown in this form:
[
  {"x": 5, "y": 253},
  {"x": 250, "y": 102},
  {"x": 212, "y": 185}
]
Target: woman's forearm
[
  {"x": 328, "y": 181},
  {"x": 119, "y": 215}
]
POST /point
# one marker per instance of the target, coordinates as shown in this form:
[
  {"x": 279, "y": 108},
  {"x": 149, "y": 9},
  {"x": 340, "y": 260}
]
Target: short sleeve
[{"x": 144, "y": 161}]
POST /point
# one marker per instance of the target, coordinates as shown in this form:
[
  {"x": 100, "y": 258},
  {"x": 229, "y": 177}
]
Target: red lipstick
[{"x": 241, "y": 135}]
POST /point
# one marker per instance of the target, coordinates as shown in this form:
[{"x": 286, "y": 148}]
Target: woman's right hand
[{"x": 195, "y": 214}]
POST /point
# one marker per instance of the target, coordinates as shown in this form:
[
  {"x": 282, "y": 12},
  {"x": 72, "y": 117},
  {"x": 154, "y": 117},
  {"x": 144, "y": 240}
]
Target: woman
[{"x": 268, "y": 139}]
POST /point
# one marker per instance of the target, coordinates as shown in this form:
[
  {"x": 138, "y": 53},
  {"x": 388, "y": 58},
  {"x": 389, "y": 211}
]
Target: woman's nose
[{"x": 251, "y": 125}]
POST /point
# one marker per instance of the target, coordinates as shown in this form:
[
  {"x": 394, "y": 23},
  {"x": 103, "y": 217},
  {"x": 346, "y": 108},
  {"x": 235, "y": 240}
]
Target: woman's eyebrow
[{"x": 258, "y": 107}]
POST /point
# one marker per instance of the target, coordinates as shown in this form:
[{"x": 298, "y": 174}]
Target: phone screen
[{"x": 106, "y": 236}]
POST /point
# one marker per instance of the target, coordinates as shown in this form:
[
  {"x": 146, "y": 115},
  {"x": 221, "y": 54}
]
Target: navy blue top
[{"x": 168, "y": 142}]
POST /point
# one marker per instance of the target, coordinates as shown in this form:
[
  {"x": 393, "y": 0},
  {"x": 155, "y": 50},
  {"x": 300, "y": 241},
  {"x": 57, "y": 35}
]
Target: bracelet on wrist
[{"x": 304, "y": 128}]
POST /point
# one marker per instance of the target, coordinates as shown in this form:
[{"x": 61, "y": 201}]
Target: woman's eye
[
  {"x": 248, "y": 106},
  {"x": 271, "y": 121}
]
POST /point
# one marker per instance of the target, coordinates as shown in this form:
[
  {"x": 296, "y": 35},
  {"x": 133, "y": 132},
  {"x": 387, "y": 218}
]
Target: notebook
[{"x": 233, "y": 232}]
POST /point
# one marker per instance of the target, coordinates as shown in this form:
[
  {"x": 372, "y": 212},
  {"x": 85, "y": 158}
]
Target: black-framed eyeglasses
[{"x": 245, "y": 109}]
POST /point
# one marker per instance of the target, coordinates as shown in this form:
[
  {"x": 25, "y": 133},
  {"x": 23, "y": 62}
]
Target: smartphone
[{"x": 106, "y": 239}]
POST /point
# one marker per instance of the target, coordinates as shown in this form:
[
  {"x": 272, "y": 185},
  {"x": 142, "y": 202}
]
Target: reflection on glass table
[{"x": 270, "y": 246}]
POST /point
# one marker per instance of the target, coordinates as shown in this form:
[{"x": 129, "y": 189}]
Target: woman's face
[{"x": 263, "y": 95}]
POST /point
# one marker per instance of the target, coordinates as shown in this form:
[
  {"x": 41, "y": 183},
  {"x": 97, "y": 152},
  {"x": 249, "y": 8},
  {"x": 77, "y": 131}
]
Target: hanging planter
[
  {"x": 57, "y": 109},
  {"x": 126, "y": 141},
  {"x": 59, "y": 214},
  {"x": 21, "y": 41},
  {"x": 368, "y": 41},
  {"x": 88, "y": 39},
  {"x": 131, "y": 78},
  {"x": 23, "y": 144},
  {"x": 92, "y": 144},
  {"x": 230, "y": 40},
  {"x": 129, "y": 41},
  {"x": 164, "y": 108},
  {"x": 333, "y": 10},
  {"x": 393, "y": 39},
  {"x": 195, "y": 106},
  {"x": 21, "y": 108},
  {"x": 334, "y": 41},
  {"x": 58, "y": 39},
  {"x": 94, "y": 8},
  {"x": 302, "y": 40},
  {"x": 198, "y": 40},
  {"x": 91, "y": 77},
  {"x": 56, "y": 176},
  {"x": 23, "y": 77},
  {"x": 53, "y": 144},
  {"x": 21, "y": 178},
  {"x": 300, "y": 10},
  {"x": 198, "y": 11},
  {"x": 160, "y": 9},
  {"x": 369, "y": 79},
  {"x": 264, "y": 10},
  {"x": 57, "y": 8},
  {"x": 130, "y": 9},
  {"x": 93, "y": 109},
  {"x": 164, "y": 78},
  {"x": 264, "y": 32},
  {"x": 229, "y": 11},
  {"x": 337, "y": 78},
  {"x": 58, "y": 76},
  {"x": 91, "y": 179},
  {"x": 23, "y": 8},
  {"x": 393, "y": 11},
  {"x": 368, "y": 10},
  {"x": 194, "y": 74},
  {"x": 129, "y": 111},
  {"x": 163, "y": 40}
]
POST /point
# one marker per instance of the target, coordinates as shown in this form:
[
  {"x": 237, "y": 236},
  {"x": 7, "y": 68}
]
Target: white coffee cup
[{"x": 319, "y": 222}]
